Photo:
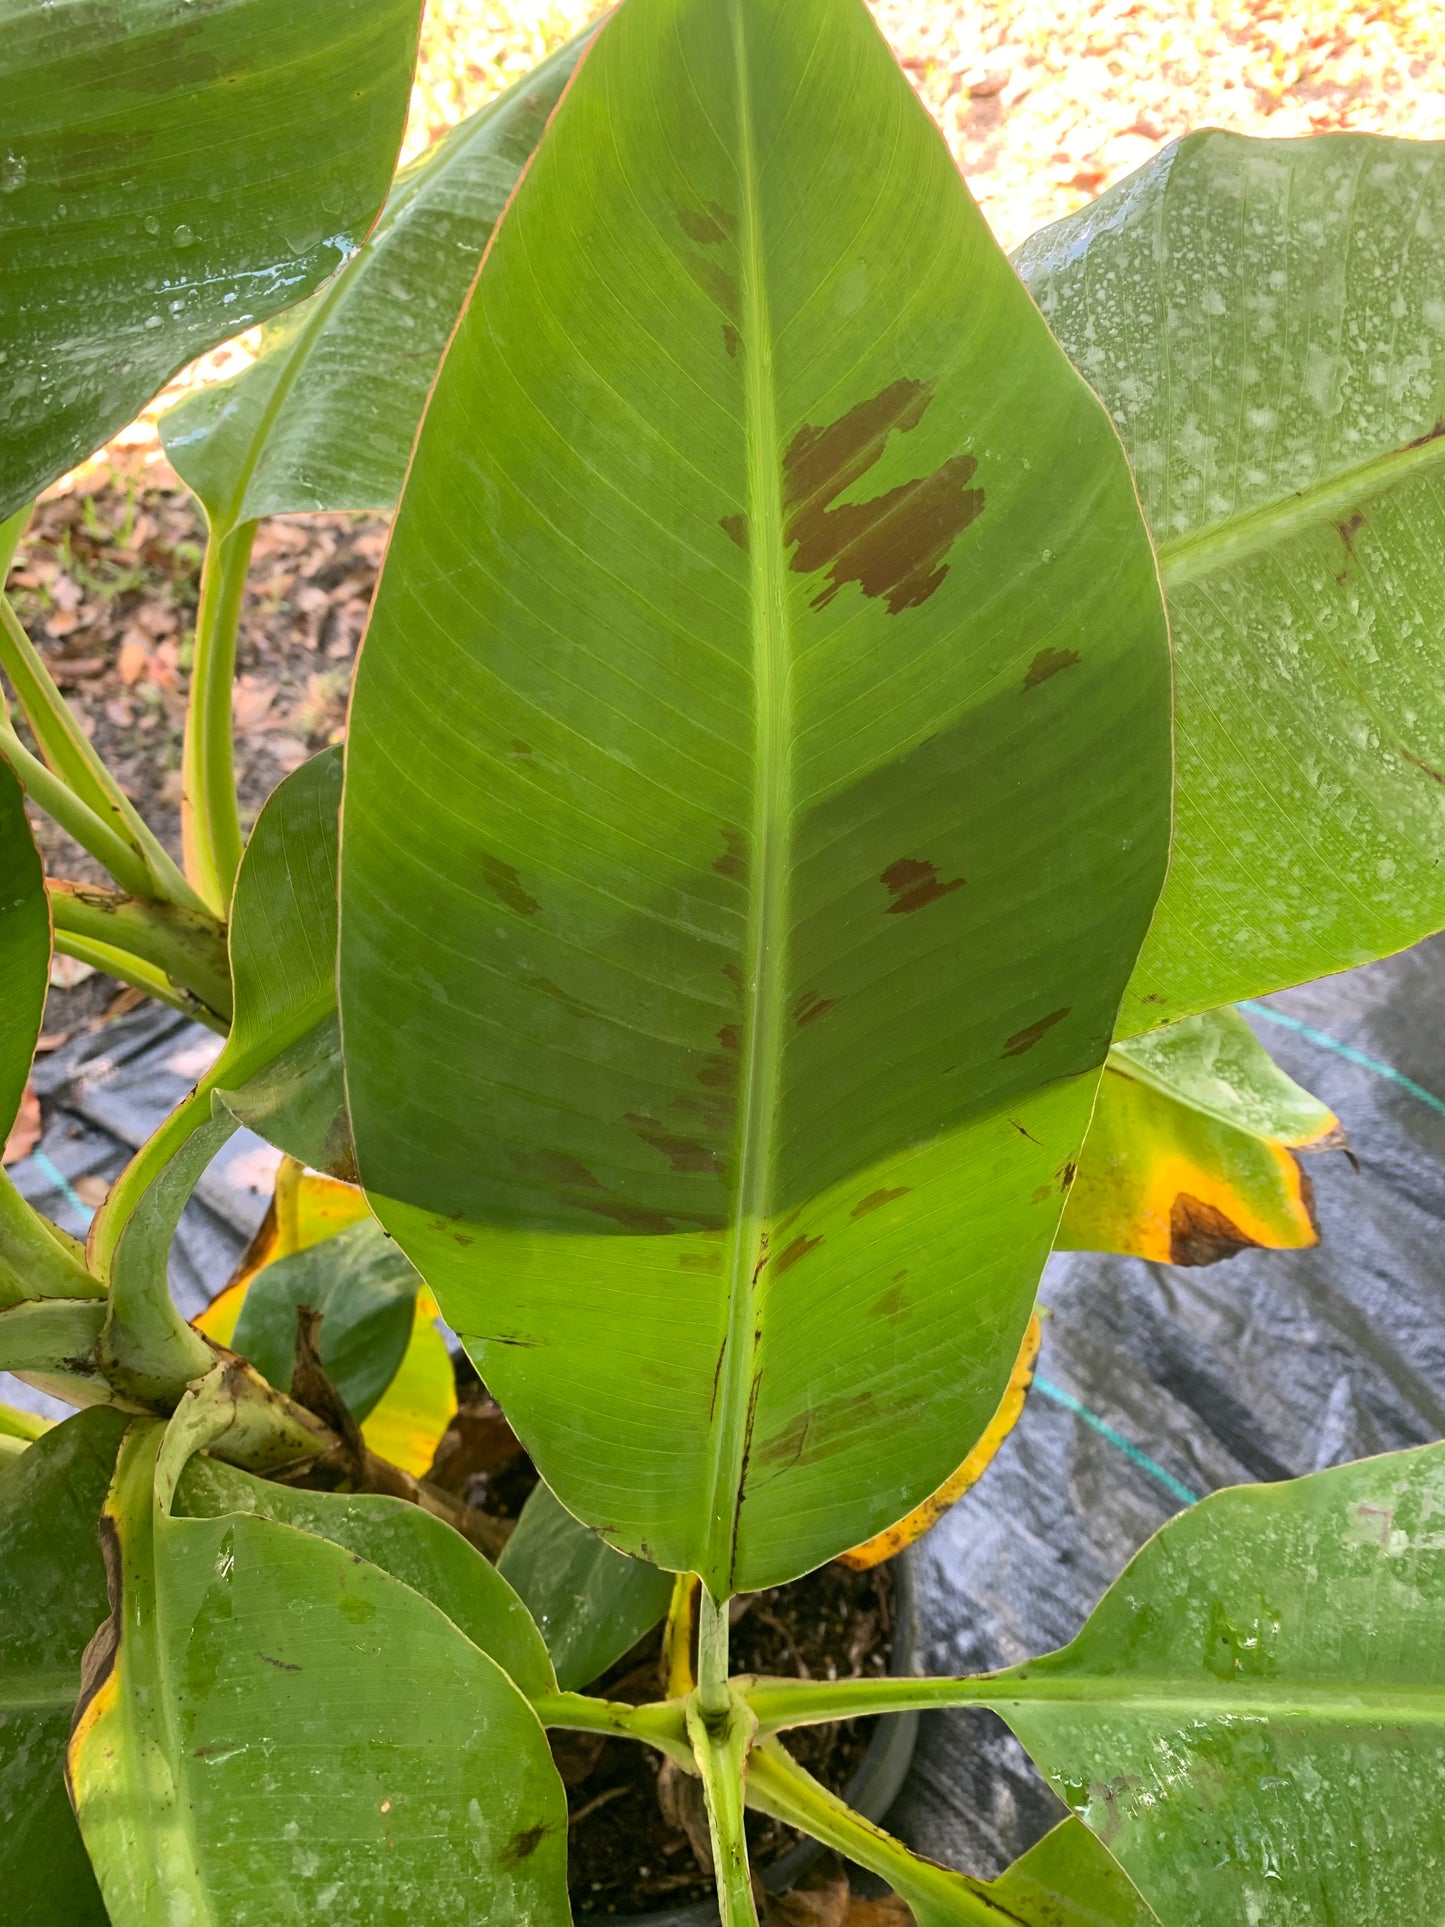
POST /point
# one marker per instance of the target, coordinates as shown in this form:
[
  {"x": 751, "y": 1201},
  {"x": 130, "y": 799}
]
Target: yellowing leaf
[
  {"x": 885, "y": 1544},
  {"x": 1190, "y": 1155},
  {"x": 408, "y": 1421}
]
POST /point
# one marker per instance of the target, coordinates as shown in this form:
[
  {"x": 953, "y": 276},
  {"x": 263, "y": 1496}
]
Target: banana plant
[{"x": 777, "y": 887}]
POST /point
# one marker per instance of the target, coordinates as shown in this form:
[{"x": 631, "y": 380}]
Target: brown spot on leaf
[
  {"x": 1067, "y": 1176},
  {"x": 895, "y": 545},
  {"x": 1430, "y": 435},
  {"x": 715, "y": 282},
  {"x": 875, "y": 1200},
  {"x": 733, "y": 863},
  {"x": 811, "y": 1006},
  {"x": 1200, "y": 1234},
  {"x": 557, "y": 994},
  {"x": 892, "y": 1304},
  {"x": 522, "y": 751},
  {"x": 1349, "y": 529},
  {"x": 1049, "y": 662},
  {"x": 735, "y": 528},
  {"x": 1041, "y": 1194},
  {"x": 281, "y": 1665},
  {"x": 790, "y": 1254},
  {"x": 1420, "y": 764},
  {"x": 718, "y": 1074},
  {"x": 709, "y": 226},
  {"x": 913, "y": 884},
  {"x": 810, "y": 1436},
  {"x": 554, "y": 1168},
  {"x": 731, "y": 1037},
  {"x": 523, "y": 1845},
  {"x": 732, "y": 340},
  {"x": 503, "y": 879},
  {"x": 682, "y": 1153},
  {"x": 632, "y": 1217},
  {"x": 1025, "y": 1039},
  {"x": 700, "y": 1261}
]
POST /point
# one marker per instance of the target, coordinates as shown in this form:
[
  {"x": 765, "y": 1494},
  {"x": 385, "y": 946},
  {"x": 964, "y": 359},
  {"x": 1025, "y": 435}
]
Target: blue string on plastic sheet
[{"x": 57, "y": 1179}]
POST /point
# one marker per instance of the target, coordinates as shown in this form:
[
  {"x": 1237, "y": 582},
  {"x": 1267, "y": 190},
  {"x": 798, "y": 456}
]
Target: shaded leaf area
[
  {"x": 1253, "y": 1719},
  {"x": 1190, "y": 1155},
  {"x": 52, "y": 1598},
  {"x": 1263, "y": 320},
  {"x": 366, "y": 1291},
  {"x": 591, "y": 1603},
  {"x": 194, "y": 1765},
  {"x": 715, "y": 918},
  {"x": 171, "y": 177},
  {"x": 282, "y": 936},
  {"x": 325, "y": 418},
  {"x": 327, "y": 1226},
  {"x": 403, "y": 1540},
  {"x": 24, "y": 947},
  {"x": 1070, "y": 1880},
  {"x": 280, "y": 1072}
]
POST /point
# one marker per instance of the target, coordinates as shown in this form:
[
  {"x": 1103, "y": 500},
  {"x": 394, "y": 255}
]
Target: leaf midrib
[
  {"x": 1240, "y": 536},
  {"x": 768, "y": 874}
]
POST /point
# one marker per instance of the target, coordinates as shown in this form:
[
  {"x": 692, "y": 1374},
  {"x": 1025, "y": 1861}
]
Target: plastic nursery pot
[{"x": 871, "y": 1791}]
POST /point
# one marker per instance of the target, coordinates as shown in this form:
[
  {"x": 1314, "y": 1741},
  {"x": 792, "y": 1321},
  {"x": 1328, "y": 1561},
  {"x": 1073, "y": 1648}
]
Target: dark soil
[{"x": 626, "y": 1854}]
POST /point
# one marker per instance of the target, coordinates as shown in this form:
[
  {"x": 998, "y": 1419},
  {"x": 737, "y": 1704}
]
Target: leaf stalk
[{"x": 210, "y": 814}]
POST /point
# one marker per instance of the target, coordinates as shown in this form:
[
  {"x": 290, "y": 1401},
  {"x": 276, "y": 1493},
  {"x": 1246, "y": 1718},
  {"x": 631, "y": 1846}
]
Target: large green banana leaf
[
  {"x": 1266, "y": 322},
  {"x": 1253, "y": 1719},
  {"x": 757, "y": 787},
  {"x": 170, "y": 174},
  {"x": 273, "y": 1729},
  {"x": 326, "y": 415},
  {"x": 52, "y": 1598}
]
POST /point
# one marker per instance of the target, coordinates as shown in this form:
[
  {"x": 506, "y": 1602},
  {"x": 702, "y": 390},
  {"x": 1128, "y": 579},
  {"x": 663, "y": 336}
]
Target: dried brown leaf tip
[
  {"x": 913, "y": 884},
  {"x": 896, "y": 545}
]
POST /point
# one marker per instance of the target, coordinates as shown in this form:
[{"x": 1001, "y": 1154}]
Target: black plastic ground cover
[{"x": 1154, "y": 1382}]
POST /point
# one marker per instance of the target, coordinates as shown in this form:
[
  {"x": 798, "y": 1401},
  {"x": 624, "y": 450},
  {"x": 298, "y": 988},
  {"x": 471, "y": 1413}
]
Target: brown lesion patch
[
  {"x": 732, "y": 340},
  {"x": 892, "y": 1304},
  {"x": 875, "y": 1200},
  {"x": 810, "y": 1006},
  {"x": 718, "y": 1074},
  {"x": 709, "y": 226},
  {"x": 700, "y": 1261},
  {"x": 1025, "y": 1039},
  {"x": 733, "y": 863},
  {"x": 682, "y": 1153},
  {"x": 913, "y": 884},
  {"x": 504, "y": 882},
  {"x": 632, "y": 1217},
  {"x": 1201, "y": 1234},
  {"x": 558, "y": 995},
  {"x": 730, "y": 1036},
  {"x": 896, "y": 545},
  {"x": 735, "y": 528},
  {"x": 523, "y": 1845},
  {"x": 1428, "y": 768},
  {"x": 1349, "y": 529},
  {"x": 1049, "y": 662},
  {"x": 792, "y": 1253},
  {"x": 556, "y": 1169}
]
